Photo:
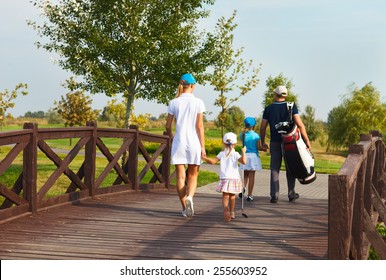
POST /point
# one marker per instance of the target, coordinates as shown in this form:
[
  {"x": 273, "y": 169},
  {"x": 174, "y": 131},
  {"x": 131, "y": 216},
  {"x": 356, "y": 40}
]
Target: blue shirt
[
  {"x": 250, "y": 141},
  {"x": 275, "y": 113}
]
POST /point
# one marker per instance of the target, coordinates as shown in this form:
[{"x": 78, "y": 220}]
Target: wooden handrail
[
  {"x": 356, "y": 201},
  {"x": 24, "y": 196}
]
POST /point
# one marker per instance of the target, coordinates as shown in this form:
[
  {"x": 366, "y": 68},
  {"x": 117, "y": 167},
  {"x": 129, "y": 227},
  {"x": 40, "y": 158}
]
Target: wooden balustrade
[
  {"x": 356, "y": 201},
  {"x": 24, "y": 196}
]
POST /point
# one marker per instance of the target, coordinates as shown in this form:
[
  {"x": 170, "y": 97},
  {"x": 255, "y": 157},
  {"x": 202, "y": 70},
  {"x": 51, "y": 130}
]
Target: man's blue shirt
[{"x": 275, "y": 113}]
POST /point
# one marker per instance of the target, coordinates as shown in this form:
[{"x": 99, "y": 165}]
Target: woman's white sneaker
[{"x": 189, "y": 206}]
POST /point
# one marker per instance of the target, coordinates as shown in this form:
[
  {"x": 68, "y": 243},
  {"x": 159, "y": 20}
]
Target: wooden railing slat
[{"x": 372, "y": 234}]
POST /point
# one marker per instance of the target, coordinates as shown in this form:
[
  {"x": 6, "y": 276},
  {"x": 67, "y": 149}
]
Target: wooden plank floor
[{"x": 149, "y": 226}]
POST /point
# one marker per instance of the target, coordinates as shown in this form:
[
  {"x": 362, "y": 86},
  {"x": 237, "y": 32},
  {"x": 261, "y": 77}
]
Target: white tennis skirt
[{"x": 253, "y": 163}]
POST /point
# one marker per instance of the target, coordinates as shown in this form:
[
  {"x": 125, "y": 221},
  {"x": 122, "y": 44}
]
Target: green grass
[{"x": 327, "y": 163}]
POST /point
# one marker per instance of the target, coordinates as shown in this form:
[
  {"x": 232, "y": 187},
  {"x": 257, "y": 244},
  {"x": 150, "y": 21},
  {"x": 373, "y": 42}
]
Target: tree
[
  {"x": 272, "y": 83},
  {"x": 75, "y": 107},
  {"x": 337, "y": 122},
  {"x": 234, "y": 120},
  {"x": 229, "y": 69},
  {"x": 361, "y": 111},
  {"x": 135, "y": 48},
  {"x": 35, "y": 115},
  {"x": 142, "y": 120},
  {"x": 163, "y": 116},
  {"x": 114, "y": 112},
  {"x": 53, "y": 117},
  {"x": 7, "y": 100},
  {"x": 308, "y": 119}
]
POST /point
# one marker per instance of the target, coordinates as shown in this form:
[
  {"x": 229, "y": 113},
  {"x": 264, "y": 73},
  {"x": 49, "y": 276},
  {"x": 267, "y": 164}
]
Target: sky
[{"x": 321, "y": 46}]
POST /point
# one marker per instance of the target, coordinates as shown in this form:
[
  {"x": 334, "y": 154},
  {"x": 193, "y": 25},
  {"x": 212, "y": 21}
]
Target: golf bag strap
[{"x": 290, "y": 106}]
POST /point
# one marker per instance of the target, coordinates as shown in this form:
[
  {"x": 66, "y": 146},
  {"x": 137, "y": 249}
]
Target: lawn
[{"x": 328, "y": 163}]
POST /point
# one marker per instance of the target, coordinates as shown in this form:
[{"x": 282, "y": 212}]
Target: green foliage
[
  {"x": 229, "y": 70},
  {"x": 308, "y": 119},
  {"x": 131, "y": 47},
  {"x": 35, "y": 115},
  {"x": 76, "y": 109},
  {"x": 7, "y": 100},
  {"x": 272, "y": 83},
  {"x": 115, "y": 113},
  {"x": 361, "y": 110},
  {"x": 233, "y": 119},
  {"x": 213, "y": 146},
  {"x": 53, "y": 117}
]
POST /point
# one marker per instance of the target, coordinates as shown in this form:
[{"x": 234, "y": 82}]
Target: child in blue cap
[{"x": 252, "y": 141}]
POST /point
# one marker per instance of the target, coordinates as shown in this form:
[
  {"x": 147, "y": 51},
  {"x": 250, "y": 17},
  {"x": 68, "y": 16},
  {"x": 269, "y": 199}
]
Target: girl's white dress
[
  {"x": 230, "y": 181},
  {"x": 186, "y": 147}
]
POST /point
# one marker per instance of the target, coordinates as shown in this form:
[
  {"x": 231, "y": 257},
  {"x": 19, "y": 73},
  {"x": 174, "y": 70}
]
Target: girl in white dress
[
  {"x": 188, "y": 144},
  {"x": 230, "y": 182}
]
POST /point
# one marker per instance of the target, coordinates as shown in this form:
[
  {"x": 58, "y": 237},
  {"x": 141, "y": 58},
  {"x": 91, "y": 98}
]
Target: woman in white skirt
[
  {"x": 230, "y": 182},
  {"x": 251, "y": 140},
  {"x": 188, "y": 142}
]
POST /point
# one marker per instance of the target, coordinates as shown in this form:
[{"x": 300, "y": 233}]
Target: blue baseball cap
[
  {"x": 249, "y": 122},
  {"x": 188, "y": 79}
]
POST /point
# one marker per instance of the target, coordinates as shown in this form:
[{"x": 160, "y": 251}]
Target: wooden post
[
  {"x": 379, "y": 170},
  {"x": 338, "y": 218},
  {"x": 166, "y": 162},
  {"x": 132, "y": 162},
  {"x": 30, "y": 168},
  {"x": 357, "y": 212},
  {"x": 371, "y": 177},
  {"x": 90, "y": 160}
]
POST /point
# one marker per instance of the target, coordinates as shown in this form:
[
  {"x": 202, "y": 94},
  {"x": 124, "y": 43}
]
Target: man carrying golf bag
[{"x": 274, "y": 114}]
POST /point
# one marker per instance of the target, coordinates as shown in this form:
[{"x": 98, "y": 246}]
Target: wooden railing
[
  {"x": 357, "y": 201},
  {"x": 25, "y": 196}
]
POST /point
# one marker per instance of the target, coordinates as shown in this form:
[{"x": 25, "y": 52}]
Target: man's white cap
[
  {"x": 281, "y": 90},
  {"x": 230, "y": 137}
]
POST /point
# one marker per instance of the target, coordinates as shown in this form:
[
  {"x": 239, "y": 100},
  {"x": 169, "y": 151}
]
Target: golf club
[{"x": 242, "y": 194}]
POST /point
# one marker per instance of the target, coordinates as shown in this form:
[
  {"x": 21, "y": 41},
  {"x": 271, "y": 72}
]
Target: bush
[{"x": 213, "y": 146}]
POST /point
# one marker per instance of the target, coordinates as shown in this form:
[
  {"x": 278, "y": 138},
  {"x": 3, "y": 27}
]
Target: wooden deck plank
[{"x": 136, "y": 225}]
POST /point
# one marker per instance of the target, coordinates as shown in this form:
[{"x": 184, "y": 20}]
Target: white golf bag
[{"x": 297, "y": 157}]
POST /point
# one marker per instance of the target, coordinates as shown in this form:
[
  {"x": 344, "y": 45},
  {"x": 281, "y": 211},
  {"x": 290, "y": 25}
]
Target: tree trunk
[
  {"x": 130, "y": 100},
  {"x": 129, "y": 105}
]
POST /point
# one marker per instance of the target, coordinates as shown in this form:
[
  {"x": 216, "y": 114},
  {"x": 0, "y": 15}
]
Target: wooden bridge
[{"x": 117, "y": 212}]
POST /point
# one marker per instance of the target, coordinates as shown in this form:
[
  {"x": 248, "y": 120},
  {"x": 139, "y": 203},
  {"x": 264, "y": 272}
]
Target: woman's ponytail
[{"x": 180, "y": 90}]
